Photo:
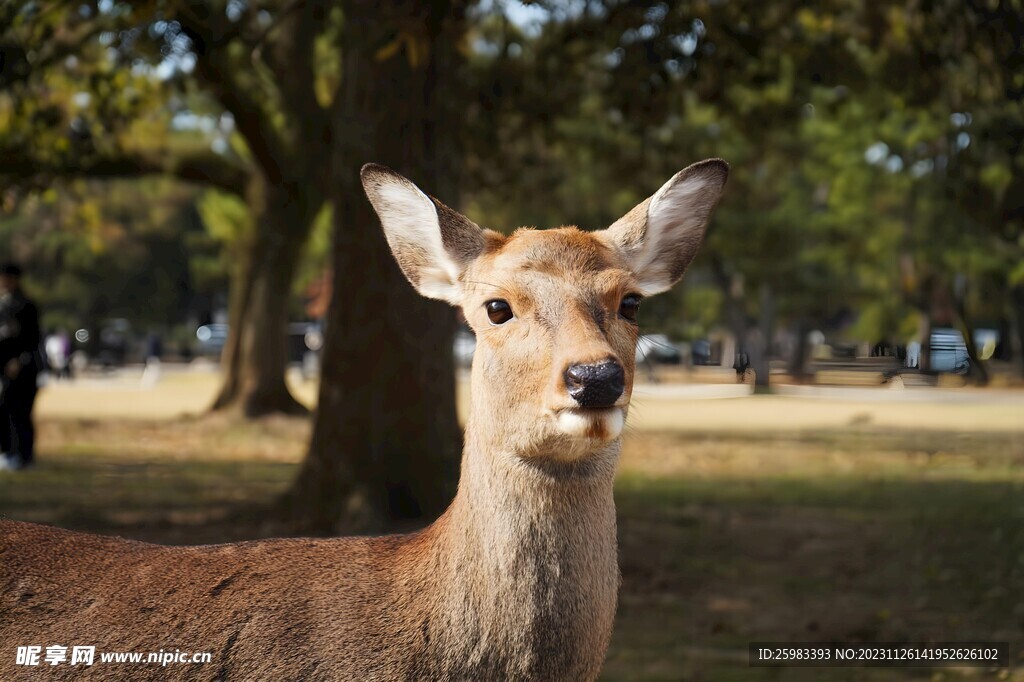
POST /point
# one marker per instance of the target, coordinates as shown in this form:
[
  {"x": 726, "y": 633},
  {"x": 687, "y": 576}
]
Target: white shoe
[{"x": 12, "y": 463}]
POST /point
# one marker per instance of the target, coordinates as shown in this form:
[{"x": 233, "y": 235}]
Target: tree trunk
[
  {"x": 760, "y": 341},
  {"x": 801, "y": 351},
  {"x": 977, "y": 371},
  {"x": 255, "y": 356},
  {"x": 732, "y": 287},
  {"x": 238, "y": 309},
  {"x": 287, "y": 143},
  {"x": 1017, "y": 324},
  {"x": 386, "y": 441},
  {"x": 924, "y": 358}
]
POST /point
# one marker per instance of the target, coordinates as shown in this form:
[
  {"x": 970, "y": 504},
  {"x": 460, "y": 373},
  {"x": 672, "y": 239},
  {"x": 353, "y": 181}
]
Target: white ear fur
[
  {"x": 661, "y": 235},
  {"x": 431, "y": 242}
]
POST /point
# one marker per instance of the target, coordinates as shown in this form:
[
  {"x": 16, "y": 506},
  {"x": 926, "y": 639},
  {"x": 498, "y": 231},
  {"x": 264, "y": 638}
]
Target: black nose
[{"x": 597, "y": 385}]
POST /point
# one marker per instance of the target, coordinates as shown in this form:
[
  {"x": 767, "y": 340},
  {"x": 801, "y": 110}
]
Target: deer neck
[
  {"x": 510, "y": 503},
  {"x": 530, "y": 549}
]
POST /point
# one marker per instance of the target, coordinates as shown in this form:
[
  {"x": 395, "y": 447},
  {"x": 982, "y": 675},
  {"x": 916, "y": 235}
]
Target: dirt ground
[{"x": 759, "y": 518}]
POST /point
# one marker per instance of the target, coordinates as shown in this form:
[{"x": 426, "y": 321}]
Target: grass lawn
[{"x": 726, "y": 537}]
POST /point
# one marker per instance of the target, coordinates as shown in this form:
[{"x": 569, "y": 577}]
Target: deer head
[{"x": 554, "y": 311}]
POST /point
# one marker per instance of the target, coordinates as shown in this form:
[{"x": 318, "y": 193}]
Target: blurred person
[
  {"x": 154, "y": 349},
  {"x": 154, "y": 346},
  {"x": 20, "y": 362},
  {"x": 58, "y": 354},
  {"x": 68, "y": 354},
  {"x": 913, "y": 354}
]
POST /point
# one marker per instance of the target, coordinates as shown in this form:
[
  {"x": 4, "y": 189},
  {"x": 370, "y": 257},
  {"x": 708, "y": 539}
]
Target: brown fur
[{"x": 518, "y": 579}]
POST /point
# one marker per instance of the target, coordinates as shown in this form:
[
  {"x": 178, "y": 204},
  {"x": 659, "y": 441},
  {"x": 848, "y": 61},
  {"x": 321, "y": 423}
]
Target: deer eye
[
  {"x": 498, "y": 311},
  {"x": 629, "y": 306}
]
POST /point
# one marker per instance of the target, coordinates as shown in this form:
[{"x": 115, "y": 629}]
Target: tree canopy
[{"x": 877, "y": 185}]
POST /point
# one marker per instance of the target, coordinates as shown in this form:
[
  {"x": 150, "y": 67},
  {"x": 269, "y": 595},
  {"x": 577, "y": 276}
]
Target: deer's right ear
[{"x": 432, "y": 243}]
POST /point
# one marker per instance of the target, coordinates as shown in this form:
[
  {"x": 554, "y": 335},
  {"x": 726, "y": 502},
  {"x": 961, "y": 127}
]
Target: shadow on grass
[{"x": 157, "y": 500}]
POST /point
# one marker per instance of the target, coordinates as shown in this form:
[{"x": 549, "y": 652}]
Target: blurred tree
[
  {"x": 857, "y": 191},
  {"x": 145, "y": 250},
  {"x": 649, "y": 88},
  {"x": 876, "y": 155},
  {"x": 313, "y": 90},
  {"x": 944, "y": 95},
  {"x": 94, "y": 89},
  {"x": 386, "y": 441},
  {"x": 258, "y": 60}
]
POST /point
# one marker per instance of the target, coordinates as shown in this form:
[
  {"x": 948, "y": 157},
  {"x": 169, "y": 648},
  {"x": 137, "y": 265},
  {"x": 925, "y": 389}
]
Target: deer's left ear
[{"x": 662, "y": 234}]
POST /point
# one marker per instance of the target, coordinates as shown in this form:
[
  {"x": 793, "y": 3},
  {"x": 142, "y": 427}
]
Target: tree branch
[
  {"x": 200, "y": 168},
  {"x": 14, "y": 64},
  {"x": 210, "y": 36},
  {"x": 290, "y": 59}
]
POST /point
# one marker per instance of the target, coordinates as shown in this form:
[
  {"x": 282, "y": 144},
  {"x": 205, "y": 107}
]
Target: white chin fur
[{"x": 603, "y": 425}]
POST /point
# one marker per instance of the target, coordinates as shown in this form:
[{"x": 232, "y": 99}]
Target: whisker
[
  {"x": 659, "y": 344},
  {"x": 486, "y": 284}
]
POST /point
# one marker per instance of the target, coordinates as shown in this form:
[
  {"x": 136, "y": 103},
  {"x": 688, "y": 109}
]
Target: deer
[{"x": 517, "y": 579}]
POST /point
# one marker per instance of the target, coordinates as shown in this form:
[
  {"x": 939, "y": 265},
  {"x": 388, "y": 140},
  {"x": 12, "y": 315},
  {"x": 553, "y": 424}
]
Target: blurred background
[{"x": 827, "y": 437}]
